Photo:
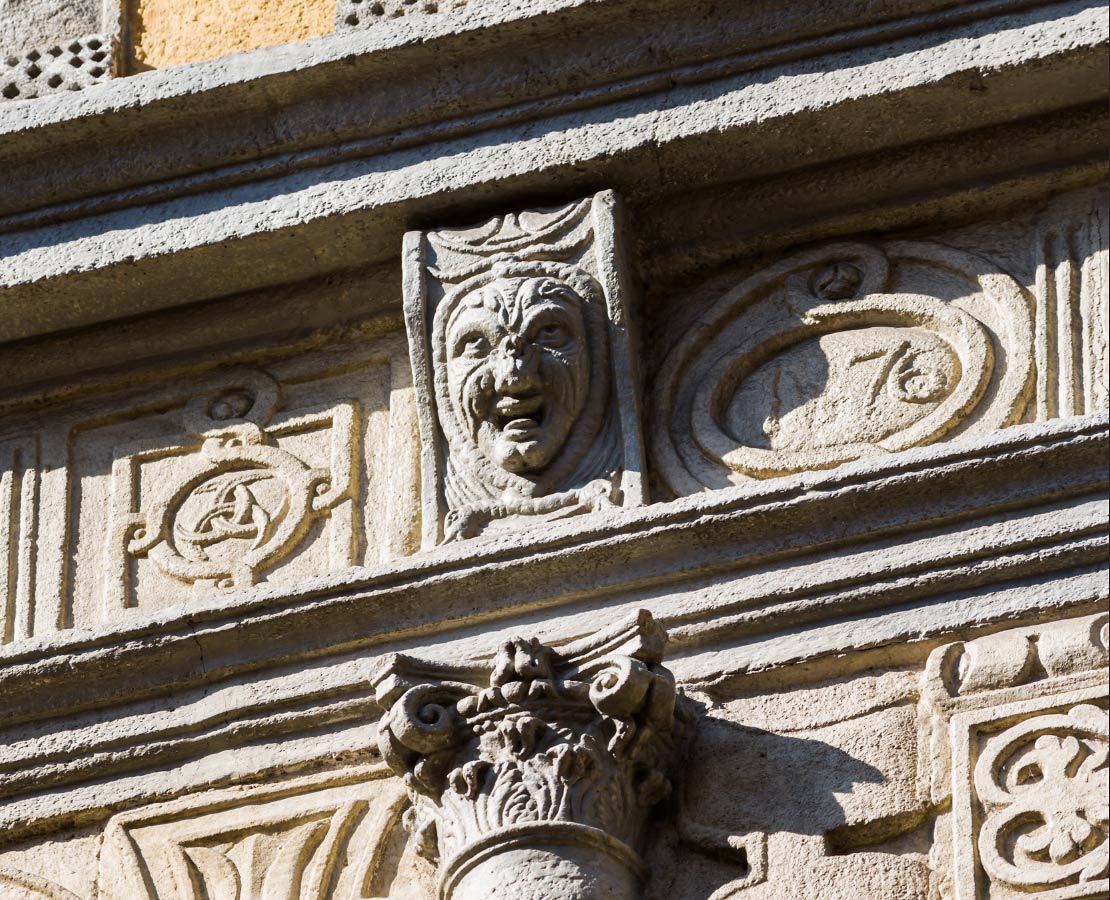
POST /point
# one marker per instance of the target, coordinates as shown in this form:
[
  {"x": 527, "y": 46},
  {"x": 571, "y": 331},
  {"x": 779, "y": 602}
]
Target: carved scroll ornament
[
  {"x": 240, "y": 502},
  {"x": 518, "y": 330},
  {"x": 1020, "y": 747},
  {"x": 536, "y": 779},
  {"x": 1045, "y": 782},
  {"x": 839, "y": 353}
]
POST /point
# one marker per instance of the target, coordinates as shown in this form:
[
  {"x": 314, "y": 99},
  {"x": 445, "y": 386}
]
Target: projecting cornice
[
  {"x": 302, "y": 160},
  {"x": 958, "y": 502},
  {"x": 901, "y": 552}
]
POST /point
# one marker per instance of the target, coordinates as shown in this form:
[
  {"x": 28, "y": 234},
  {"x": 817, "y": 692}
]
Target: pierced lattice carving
[
  {"x": 63, "y": 66},
  {"x": 362, "y": 13}
]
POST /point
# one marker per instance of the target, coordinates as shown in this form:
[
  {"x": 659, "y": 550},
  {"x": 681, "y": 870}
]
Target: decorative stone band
[{"x": 534, "y": 778}]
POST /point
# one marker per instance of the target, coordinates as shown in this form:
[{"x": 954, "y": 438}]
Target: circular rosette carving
[
  {"x": 242, "y": 505},
  {"x": 1045, "y": 788},
  {"x": 840, "y": 353}
]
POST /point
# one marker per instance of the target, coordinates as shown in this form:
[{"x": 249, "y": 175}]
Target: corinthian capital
[{"x": 534, "y": 779}]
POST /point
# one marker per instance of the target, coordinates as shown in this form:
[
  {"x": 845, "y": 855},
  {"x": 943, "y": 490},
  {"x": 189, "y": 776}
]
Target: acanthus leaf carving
[
  {"x": 519, "y": 337},
  {"x": 535, "y": 777}
]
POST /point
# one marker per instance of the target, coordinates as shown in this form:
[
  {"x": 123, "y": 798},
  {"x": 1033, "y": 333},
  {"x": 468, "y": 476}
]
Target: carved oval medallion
[{"x": 838, "y": 354}]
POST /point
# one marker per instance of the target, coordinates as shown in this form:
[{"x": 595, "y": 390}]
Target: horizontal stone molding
[
  {"x": 739, "y": 117},
  {"x": 1008, "y": 527}
]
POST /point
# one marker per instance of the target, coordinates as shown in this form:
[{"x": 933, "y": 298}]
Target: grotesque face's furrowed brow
[{"x": 518, "y": 369}]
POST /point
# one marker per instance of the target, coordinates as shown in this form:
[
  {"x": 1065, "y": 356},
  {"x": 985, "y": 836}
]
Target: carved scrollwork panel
[
  {"x": 1044, "y": 789},
  {"x": 838, "y": 353},
  {"x": 199, "y": 482},
  {"x": 521, "y": 352},
  {"x": 1020, "y": 745},
  {"x": 218, "y": 512}
]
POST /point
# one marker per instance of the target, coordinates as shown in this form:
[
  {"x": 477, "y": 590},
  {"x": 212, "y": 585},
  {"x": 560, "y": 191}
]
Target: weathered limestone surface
[{"x": 561, "y": 451}]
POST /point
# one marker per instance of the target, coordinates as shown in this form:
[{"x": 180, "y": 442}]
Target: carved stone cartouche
[{"x": 534, "y": 780}]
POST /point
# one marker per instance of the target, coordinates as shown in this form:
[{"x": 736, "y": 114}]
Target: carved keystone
[{"x": 536, "y": 778}]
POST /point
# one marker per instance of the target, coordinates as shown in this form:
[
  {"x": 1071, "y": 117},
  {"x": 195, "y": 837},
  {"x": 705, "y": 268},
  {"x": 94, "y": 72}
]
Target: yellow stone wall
[{"x": 170, "y": 32}]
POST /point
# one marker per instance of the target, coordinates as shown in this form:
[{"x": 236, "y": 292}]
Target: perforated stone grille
[
  {"x": 61, "y": 67},
  {"x": 361, "y": 13}
]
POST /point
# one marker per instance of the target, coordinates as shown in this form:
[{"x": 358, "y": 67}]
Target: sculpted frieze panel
[
  {"x": 838, "y": 353},
  {"x": 521, "y": 355},
  {"x": 194, "y": 486},
  {"x": 220, "y": 514},
  {"x": 1020, "y": 738},
  {"x": 316, "y": 838}
]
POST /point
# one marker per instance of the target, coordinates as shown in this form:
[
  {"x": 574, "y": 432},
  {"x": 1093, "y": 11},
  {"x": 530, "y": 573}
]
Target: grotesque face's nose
[{"x": 514, "y": 367}]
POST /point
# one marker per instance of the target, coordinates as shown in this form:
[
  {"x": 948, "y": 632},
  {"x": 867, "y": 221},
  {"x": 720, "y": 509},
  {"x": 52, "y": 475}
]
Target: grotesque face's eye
[
  {"x": 472, "y": 346},
  {"x": 552, "y": 335}
]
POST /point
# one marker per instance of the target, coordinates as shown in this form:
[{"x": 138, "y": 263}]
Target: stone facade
[{"x": 555, "y": 451}]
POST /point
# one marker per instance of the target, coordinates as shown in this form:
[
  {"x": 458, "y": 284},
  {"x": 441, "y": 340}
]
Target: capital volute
[{"x": 534, "y": 776}]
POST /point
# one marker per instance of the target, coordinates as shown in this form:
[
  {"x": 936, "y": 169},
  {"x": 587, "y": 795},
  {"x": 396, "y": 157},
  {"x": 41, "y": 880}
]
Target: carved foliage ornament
[
  {"x": 838, "y": 353},
  {"x": 518, "y": 331},
  {"x": 1021, "y": 739},
  {"x": 536, "y": 779},
  {"x": 1045, "y": 784}
]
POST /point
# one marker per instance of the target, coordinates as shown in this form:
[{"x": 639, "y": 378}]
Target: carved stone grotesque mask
[{"x": 518, "y": 369}]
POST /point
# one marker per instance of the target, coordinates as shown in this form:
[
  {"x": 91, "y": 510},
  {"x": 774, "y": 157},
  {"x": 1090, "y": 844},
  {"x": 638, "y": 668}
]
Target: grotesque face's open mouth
[{"x": 518, "y": 417}]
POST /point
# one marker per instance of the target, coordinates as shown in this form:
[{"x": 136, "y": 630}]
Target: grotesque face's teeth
[{"x": 518, "y": 415}]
